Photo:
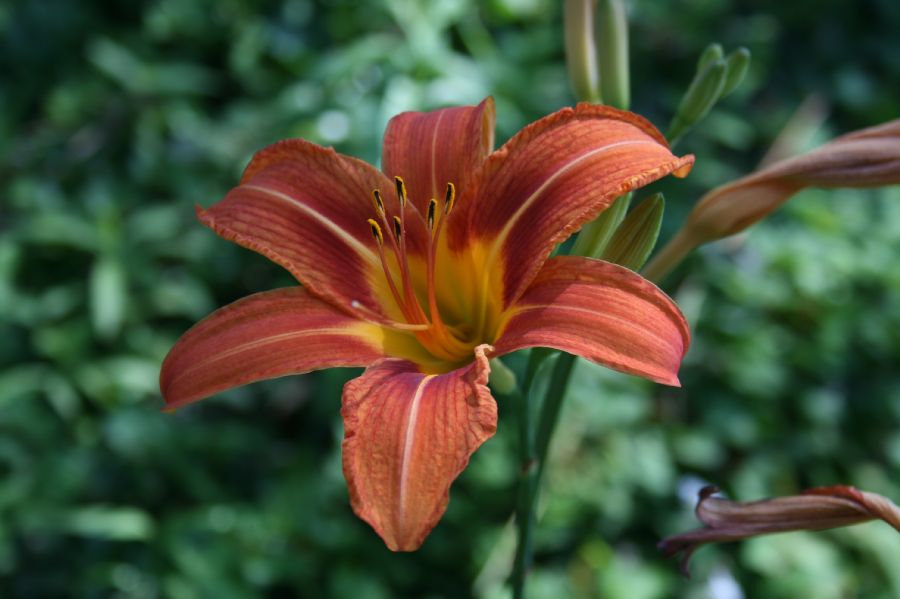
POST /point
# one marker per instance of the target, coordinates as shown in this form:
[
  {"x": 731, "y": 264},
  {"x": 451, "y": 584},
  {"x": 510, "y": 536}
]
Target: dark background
[{"x": 116, "y": 118}]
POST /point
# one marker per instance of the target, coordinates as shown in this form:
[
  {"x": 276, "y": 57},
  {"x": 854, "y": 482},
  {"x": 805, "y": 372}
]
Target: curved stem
[{"x": 672, "y": 254}]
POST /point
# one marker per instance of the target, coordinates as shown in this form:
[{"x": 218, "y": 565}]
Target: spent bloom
[
  {"x": 819, "y": 508},
  {"x": 422, "y": 273},
  {"x": 865, "y": 158}
]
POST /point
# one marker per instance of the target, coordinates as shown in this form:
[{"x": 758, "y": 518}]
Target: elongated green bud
[
  {"x": 581, "y": 52},
  {"x": 702, "y": 94},
  {"x": 596, "y": 234},
  {"x": 737, "y": 63},
  {"x": 636, "y": 236},
  {"x": 613, "y": 46},
  {"x": 712, "y": 53}
]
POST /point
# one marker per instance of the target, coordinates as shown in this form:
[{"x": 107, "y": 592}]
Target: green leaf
[
  {"x": 635, "y": 238},
  {"x": 108, "y": 295},
  {"x": 109, "y": 523}
]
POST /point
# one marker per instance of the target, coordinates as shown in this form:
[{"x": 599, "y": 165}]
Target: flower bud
[
  {"x": 581, "y": 54},
  {"x": 816, "y": 509},
  {"x": 704, "y": 91},
  {"x": 635, "y": 238},
  {"x": 502, "y": 379},
  {"x": 594, "y": 236},
  {"x": 711, "y": 54},
  {"x": 737, "y": 64},
  {"x": 613, "y": 40}
]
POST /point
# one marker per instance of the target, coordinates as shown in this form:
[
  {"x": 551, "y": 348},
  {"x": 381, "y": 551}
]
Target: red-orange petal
[
  {"x": 266, "y": 335},
  {"x": 431, "y": 149},
  {"x": 306, "y": 208},
  {"x": 407, "y": 437},
  {"x": 551, "y": 178},
  {"x": 602, "y": 312}
]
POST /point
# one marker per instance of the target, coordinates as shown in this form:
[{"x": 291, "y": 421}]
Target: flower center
[{"x": 438, "y": 338}]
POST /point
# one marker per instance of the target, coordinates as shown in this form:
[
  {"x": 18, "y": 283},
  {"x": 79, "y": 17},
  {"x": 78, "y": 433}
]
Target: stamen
[
  {"x": 401, "y": 191},
  {"x": 376, "y": 232},
  {"x": 379, "y": 204},
  {"x": 450, "y": 198},
  {"x": 410, "y": 306},
  {"x": 432, "y": 206},
  {"x": 441, "y": 330},
  {"x": 379, "y": 239},
  {"x": 442, "y": 341}
]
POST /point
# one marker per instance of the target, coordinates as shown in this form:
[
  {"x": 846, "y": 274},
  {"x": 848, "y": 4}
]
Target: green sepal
[
  {"x": 596, "y": 234},
  {"x": 636, "y": 236},
  {"x": 737, "y": 63}
]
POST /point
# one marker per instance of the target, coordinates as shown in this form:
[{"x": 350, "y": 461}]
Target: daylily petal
[
  {"x": 306, "y": 208},
  {"x": 431, "y": 149},
  {"x": 407, "y": 437},
  {"x": 602, "y": 312},
  {"x": 266, "y": 335},
  {"x": 550, "y": 179}
]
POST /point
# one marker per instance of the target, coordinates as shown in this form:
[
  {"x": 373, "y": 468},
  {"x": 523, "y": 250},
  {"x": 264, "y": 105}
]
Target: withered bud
[
  {"x": 819, "y": 508},
  {"x": 866, "y": 158}
]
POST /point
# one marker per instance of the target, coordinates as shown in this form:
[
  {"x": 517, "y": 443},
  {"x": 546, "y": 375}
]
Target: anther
[
  {"x": 376, "y": 231},
  {"x": 398, "y": 227},
  {"x": 432, "y": 206},
  {"x": 401, "y": 191},
  {"x": 450, "y": 198},
  {"x": 379, "y": 204}
]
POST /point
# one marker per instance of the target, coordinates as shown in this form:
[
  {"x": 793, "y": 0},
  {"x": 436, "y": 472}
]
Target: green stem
[
  {"x": 672, "y": 254},
  {"x": 533, "y": 446},
  {"x": 533, "y": 452},
  {"x": 527, "y": 472},
  {"x": 550, "y": 407},
  {"x": 525, "y": 517}
]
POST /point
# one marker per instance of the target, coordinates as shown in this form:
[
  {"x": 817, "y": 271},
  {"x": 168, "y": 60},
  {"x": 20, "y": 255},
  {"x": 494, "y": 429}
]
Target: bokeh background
[{"x": 116, "y": 118}]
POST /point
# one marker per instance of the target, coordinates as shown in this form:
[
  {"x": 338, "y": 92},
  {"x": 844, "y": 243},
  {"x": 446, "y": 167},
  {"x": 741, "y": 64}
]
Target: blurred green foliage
[{"x": 115, "y": 119}]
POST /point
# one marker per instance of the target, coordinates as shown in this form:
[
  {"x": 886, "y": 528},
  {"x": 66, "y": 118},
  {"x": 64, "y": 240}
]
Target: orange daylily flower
[{"x": 423, "y": 277}]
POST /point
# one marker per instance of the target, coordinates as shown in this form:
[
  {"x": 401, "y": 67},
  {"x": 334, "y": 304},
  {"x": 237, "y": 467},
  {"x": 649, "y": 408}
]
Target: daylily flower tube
[{"x": 422, "y": 273}]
